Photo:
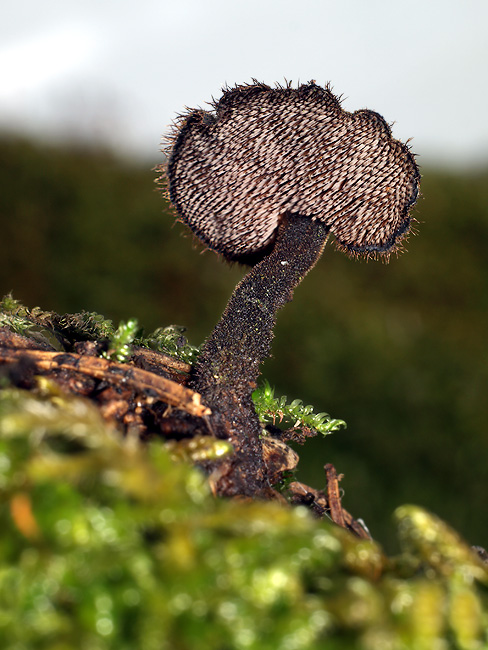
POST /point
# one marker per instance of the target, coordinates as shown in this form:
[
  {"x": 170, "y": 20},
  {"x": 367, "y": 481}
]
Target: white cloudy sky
[{"x": 121, "y": 69}]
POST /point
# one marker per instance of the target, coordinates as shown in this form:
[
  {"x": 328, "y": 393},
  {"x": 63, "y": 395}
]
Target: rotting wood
[
  {"x": 120, "y": 374},
  {"x": 160, "y": 363}
]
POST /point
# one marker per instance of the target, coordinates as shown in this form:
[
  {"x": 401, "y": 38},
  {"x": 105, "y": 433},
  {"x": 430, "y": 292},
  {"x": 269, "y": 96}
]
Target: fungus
[{"x": 264, "y": 179}]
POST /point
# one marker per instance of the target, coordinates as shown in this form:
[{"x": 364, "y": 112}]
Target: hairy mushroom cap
[{"x": 263, "y": 152}]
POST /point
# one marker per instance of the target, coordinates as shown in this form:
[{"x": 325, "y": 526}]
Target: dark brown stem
[{"x": 228, "y": 367}]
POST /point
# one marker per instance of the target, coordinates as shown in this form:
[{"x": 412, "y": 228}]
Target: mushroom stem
[{"x": 228, "y": 368}]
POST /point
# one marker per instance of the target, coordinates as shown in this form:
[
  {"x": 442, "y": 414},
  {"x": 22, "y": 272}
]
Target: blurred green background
[{"x": 399, "y": 351}]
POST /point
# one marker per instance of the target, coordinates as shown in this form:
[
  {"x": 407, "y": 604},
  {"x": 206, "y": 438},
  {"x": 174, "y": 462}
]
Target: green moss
[
  {"x": 296, "y": 415},
  {"x": 120, "y": 342},
  {"x": 60, "y": 331},
  {"x": 108, "y": 543},
  {"x": 170, "y": 339},
  {"x": 52, "y": 328}
]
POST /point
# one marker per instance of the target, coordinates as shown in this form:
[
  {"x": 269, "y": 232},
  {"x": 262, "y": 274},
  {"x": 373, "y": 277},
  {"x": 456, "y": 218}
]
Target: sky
[{"x": 117, "y": 72}]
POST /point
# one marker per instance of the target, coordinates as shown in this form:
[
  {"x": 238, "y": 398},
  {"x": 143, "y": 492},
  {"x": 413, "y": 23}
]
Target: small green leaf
[
  {"x": 121, "y": 341},
  {"x": 171, "y": 340},
  {"x": 276, "y": 410}
]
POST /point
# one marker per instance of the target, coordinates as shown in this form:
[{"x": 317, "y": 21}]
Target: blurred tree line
[{"x": 399, "y": 351}]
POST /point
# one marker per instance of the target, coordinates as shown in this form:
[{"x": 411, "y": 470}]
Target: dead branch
[{"x": 123, "y": 375}]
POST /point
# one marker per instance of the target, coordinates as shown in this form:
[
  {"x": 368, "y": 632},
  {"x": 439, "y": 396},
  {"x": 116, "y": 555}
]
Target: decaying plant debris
[{"x": 146, "y": 396}]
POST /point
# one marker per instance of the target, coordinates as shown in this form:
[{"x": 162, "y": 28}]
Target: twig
[
  {"x": 115, "y": 373},
  {"x": 318, "y": 502},
  {"x": 334, "y": 497}
]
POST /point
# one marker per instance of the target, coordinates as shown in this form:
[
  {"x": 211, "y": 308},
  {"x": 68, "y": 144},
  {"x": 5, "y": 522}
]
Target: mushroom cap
[{"x": 263, "y": 152}]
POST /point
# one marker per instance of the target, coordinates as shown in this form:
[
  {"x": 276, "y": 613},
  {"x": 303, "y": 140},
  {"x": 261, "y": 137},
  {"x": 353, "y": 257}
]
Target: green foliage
[
  {"x": 54, "y": 329},
  {"x": 20, "y": 319},
  {"x": 299, "y": 417},
  {"x": 86, "y": 326},
  {"x": 47, "y": 325},
  {"x": 120, "y": 342},
  {"x": 15, "y": 324},
  {"x": 109, "y": 544},
  {"x": 170, "y": 339}
]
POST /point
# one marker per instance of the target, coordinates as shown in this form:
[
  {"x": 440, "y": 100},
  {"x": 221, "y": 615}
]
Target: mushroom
[{"x": 264, "y": 179}]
